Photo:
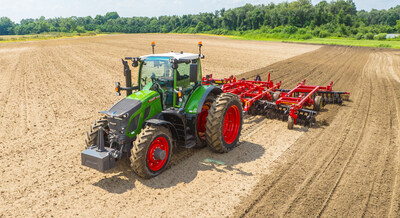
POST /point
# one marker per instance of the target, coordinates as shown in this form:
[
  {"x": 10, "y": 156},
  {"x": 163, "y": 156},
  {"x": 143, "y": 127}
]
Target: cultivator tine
[
  {"x": 273, "y": 111},
  {"x": 305, "y": 117},
  {"x": 334, "y": 97}
]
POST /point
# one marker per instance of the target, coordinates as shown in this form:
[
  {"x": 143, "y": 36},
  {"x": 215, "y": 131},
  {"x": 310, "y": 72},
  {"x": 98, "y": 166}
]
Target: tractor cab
[{"x": 173, "y": 75}]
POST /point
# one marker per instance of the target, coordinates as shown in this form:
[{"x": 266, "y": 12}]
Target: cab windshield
[{"x": 156, "y": 69}]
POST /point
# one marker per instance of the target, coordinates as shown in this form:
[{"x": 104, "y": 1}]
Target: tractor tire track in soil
[{"x": 349, "y": 167}]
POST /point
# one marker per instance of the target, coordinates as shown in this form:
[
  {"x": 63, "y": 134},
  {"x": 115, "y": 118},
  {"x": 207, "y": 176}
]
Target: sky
[{"x": 19, "y": 9}]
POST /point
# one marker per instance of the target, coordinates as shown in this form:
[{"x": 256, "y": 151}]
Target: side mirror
[{"x": 193, "y": 72}]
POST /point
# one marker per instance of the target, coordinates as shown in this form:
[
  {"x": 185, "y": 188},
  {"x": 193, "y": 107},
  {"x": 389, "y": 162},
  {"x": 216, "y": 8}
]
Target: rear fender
[
  {"x": 198, "y": 98},
  {"x": 211, "y": 90}
]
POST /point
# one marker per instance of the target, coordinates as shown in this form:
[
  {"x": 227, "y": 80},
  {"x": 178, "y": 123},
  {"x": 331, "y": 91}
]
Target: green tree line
[{"x": 337, "y": 18}]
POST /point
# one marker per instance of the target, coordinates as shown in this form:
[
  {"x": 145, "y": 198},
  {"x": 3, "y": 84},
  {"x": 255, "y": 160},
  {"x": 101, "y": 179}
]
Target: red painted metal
[
  {"x": 231, "y": 124},
  {"x": 297, "y": 103},
  {"x": 248, "y": 91},
  {"x": 158, "y": 143},
  {"x": 202, "y": 120},
  {"x": 252, "y": 91}
]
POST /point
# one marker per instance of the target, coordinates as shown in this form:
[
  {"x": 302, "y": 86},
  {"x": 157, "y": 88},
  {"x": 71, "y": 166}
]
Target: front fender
[{"x": 165, "y": 123}]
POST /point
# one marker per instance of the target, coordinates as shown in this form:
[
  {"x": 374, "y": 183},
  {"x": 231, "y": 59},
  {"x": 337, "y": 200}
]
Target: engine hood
[
  {"x": 130, "y": 104},
  {"x": 125, "y": 106}
]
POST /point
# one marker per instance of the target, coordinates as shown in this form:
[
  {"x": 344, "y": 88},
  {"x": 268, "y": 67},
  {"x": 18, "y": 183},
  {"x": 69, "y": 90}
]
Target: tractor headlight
[{"x": 123, "y": 117}]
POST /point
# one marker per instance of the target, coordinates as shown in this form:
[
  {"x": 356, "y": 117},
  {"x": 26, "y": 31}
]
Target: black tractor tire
[
  {"x": 200, "y": 135},
  {"x": 290, "y": 122},
  {"x": 91, "y": 135},
  {"x": 143, "y": 152},
  {"x": 318, "y": 103},
  {"x": 227, "y": 107}
]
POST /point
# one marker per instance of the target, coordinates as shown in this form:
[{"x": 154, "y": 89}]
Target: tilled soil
[
  {"x": 349, "y": 165},
  {"x": 50, "y": 93}
]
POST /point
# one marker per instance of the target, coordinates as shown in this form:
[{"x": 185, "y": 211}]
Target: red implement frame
[
  {"x": 294, "y": 100},
  {"x": 248, "y": 91},
  {"x": 297, "y": 103}
]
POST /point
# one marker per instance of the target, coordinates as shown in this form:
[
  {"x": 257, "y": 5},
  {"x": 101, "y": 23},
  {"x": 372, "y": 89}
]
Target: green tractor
[{"x": 170, "y": 108}]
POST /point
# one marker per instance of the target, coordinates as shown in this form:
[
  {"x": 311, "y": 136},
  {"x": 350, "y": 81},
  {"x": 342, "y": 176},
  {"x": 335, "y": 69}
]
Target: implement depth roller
[{"x": 267, "y": 99}]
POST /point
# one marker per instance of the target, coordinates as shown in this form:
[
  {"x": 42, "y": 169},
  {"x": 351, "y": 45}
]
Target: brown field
[{"x": 348, "y": 165}]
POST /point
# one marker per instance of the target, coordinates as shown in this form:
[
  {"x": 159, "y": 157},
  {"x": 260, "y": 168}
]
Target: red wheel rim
[
  {"x": 231, "y": 124},
  {"x": 202, "y": 120},
  {"x": 152, "y": 162}
]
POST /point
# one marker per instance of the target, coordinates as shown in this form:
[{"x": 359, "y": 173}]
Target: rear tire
[
  {"x": 224, "y": 123},
  {"x": 318, "y": 103},
  {"x": 151, "y": 151}
]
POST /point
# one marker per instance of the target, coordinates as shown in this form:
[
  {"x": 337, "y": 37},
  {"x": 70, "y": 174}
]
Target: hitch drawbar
[{"x": 97, "y": 156}]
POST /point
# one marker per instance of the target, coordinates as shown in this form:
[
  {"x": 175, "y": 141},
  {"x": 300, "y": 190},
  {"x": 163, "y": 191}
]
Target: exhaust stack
[{"x": 128, "y": 77}]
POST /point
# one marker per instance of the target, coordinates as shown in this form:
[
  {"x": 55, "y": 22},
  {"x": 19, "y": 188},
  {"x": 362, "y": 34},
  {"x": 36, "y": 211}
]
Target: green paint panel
[
  {"x": 194, "y": 100},
  {"x": 149, "y": 99}
]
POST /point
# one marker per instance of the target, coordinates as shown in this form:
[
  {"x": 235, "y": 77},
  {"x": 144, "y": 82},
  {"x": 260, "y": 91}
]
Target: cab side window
[{"x": 183, "y": 80}]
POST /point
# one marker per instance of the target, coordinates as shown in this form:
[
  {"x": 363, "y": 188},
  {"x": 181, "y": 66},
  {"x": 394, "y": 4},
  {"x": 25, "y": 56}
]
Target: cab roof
[{"x": 177, "y": 56}]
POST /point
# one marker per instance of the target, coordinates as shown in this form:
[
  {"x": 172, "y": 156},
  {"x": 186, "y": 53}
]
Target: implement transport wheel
[
  {"x": 276, "y": 96},
  {"x": 290, "y": 122},
  {"x": 224, "y": 123},
  {"x": 91, "y": 135},
  {"x": 318, "y": 103},
  {"x": 151, "y": 151}
]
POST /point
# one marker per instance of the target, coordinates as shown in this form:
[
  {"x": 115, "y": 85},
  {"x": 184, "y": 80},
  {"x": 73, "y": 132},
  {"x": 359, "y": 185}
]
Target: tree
[
  {"x": 6, "y": 26},
  {"x": 327, "y": 18},
  {"x": 398, "y": 25},
  {"x": 111, "y": 15},
  {"x": 200, "y": 27}
]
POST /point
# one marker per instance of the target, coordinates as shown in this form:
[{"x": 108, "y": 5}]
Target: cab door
[{"x": 182, "y": 82}]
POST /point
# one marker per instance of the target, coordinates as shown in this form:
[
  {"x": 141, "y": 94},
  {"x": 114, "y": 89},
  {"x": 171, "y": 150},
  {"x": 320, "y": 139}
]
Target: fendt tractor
[{"x": 170, "y": 107}]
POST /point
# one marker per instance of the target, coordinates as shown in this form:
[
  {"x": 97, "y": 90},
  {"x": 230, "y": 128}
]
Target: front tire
[
  {"x": 151, "y": 151},
  {"x": 224, "y": 123},
  {"x": 91, "y": 135}
]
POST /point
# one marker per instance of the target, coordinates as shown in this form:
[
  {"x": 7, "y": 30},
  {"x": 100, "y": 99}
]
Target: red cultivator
[{"x": 266, "y": 98}]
